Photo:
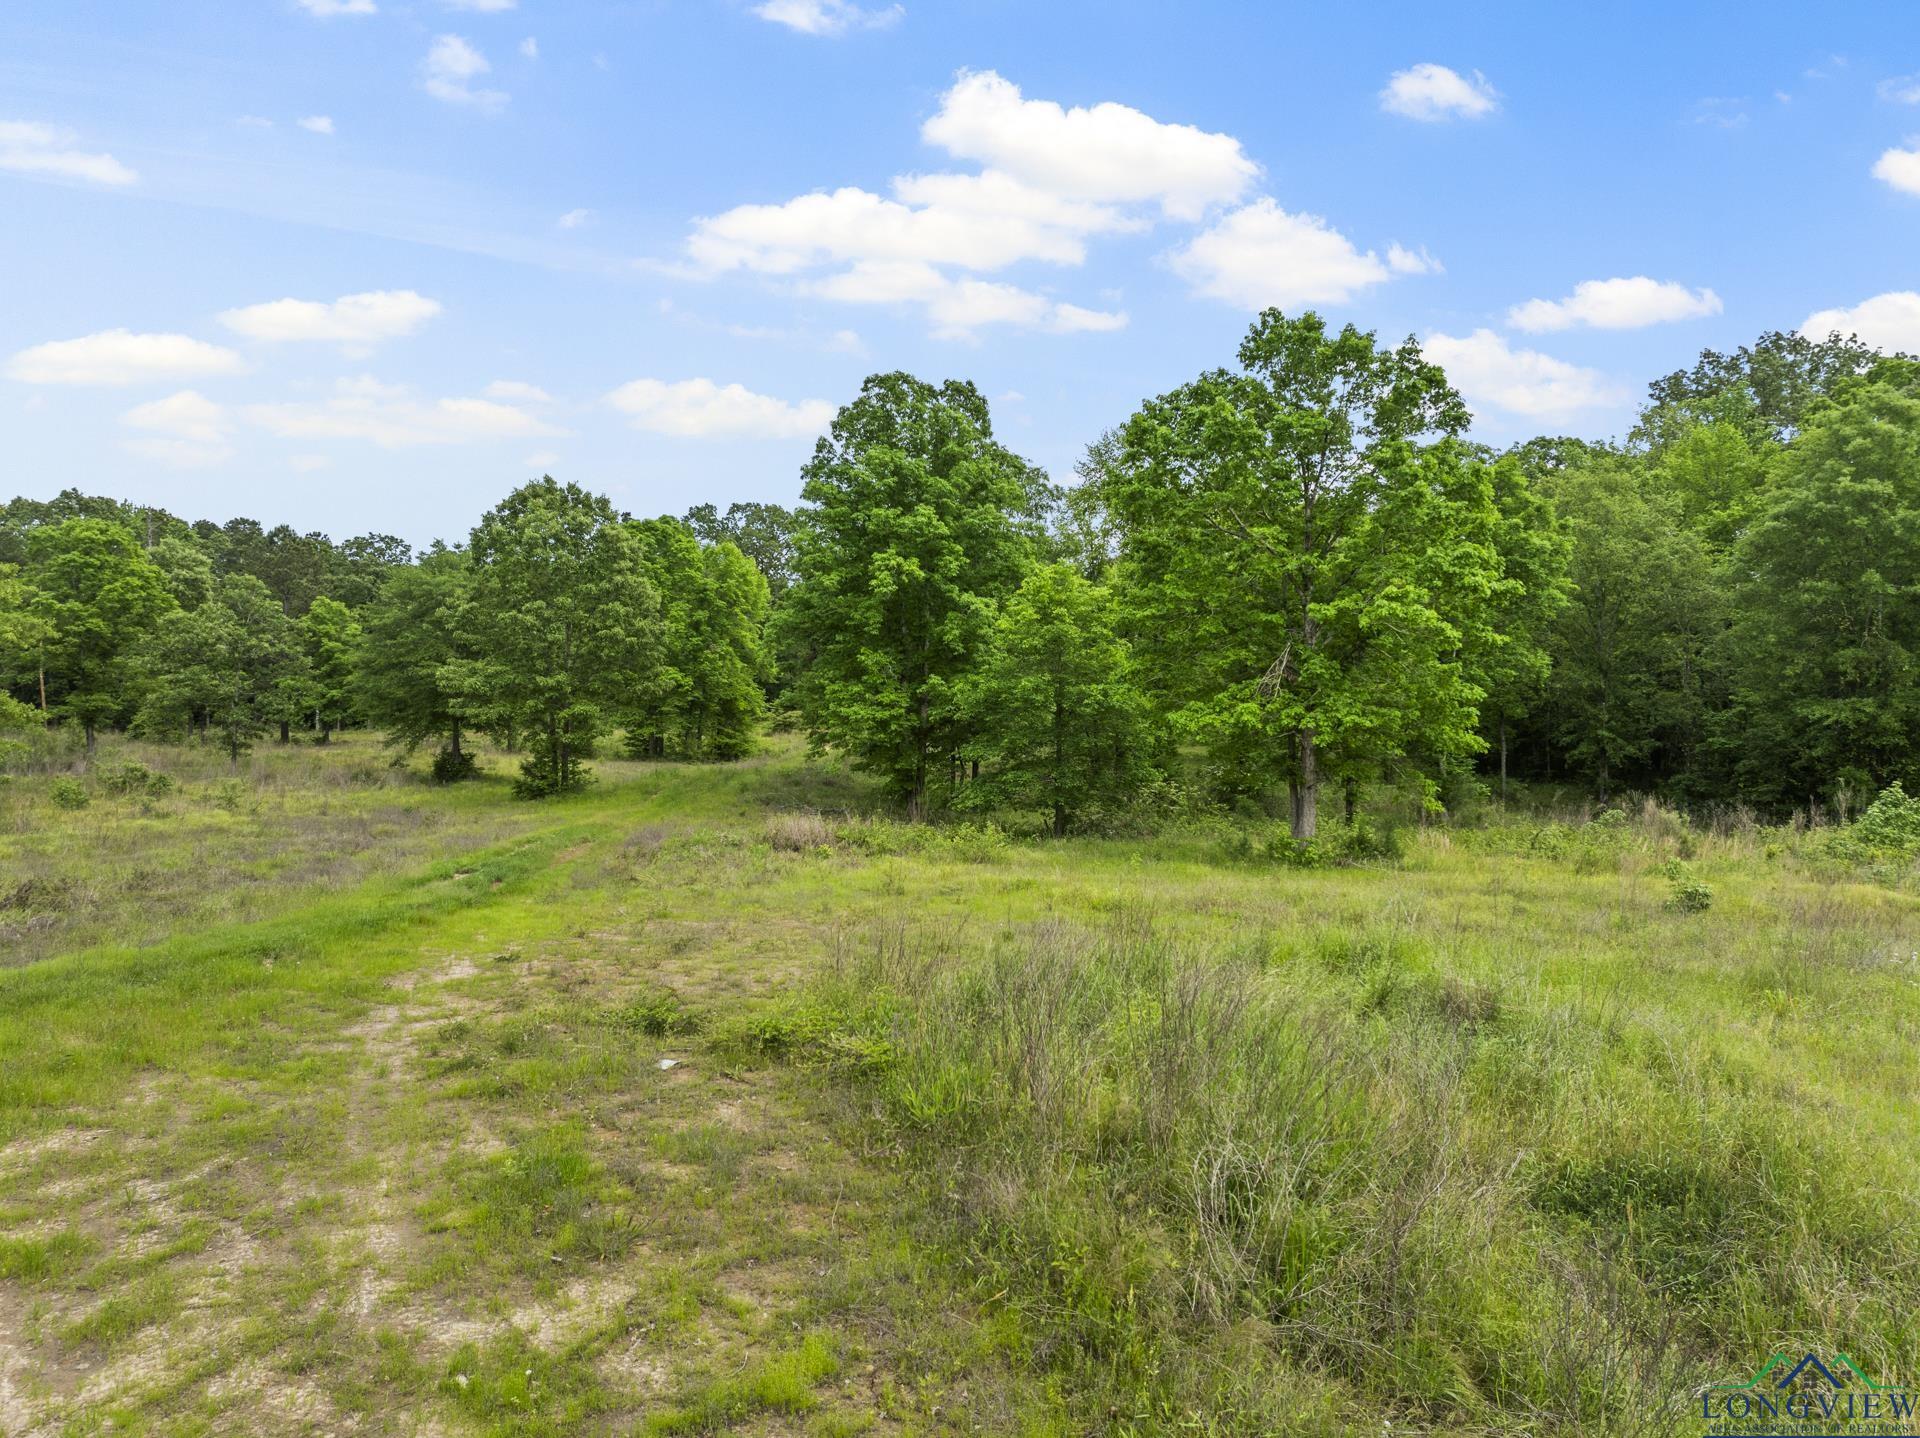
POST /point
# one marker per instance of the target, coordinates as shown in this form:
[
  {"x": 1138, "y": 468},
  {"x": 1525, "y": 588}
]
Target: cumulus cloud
[
  {"x": 513, "y": 391},
  {"x": 1617, "y": 304},
  {"x": 27, "y": 148},
  {"x": 328, "y": 9},
  {"x": 120, "y": 357},
  {"x": 701, "y": 409},
  {"x": 1902, "y": 90},
  {"x": 449, "y": 70},
  {"x": 1261, "y": 255},
  {"x": 1053, "y": 179},
  {"x": 1889, "y": 322},
  {"x": 1403, "y": 261},
  {"x": 186, "y": 430},
  {"x": 827, "y": 17},
  {"x": 1900, "y": 168},
  {"x": 354, "y": 320},
  {"x": 318, "y": 124},
  {"x": 394, "y": 417},
  {"x": 1491, "y": 374},
  {"x": 574, "y": 219},
  {"x": 484, "y": 7},
  {"x": 530, "y": 49},
  {"x": 1109, "y": 153},
  {"x": 1431, "y": 93}
]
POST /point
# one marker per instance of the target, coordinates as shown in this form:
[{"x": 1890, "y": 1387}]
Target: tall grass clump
[{"x": 1228, "y": 1197}]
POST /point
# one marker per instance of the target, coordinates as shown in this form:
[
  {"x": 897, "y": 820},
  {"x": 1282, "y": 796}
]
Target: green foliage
[
  {"x": 916, "y": 523},
  {"x": 566, "y": 626},
  {"x": 98, "y": 595},
  {"x": 704, "y": 700},
  {"x": 69, "y": 793},
  {"x": 1061, "y": 726},
  {"x": 331, "y": 639},
  {"x": 1629, "y": 688},
  {"x": 1826, "y": 635},
  {"x": 413, "y": 639},
  {"x": 1690, "y": 895},
  {"x": 228, "y": 669},
  {"x": 134, "y": 779},
  {"x": 450, "y": 766},
  {"x": 1308, "y": 551}
]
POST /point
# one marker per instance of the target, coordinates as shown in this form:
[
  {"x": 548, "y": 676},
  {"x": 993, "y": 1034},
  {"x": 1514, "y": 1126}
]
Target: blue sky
[{"x": 367, "y": 264}]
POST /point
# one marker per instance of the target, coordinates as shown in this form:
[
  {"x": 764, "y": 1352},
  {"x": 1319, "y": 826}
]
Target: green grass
[{"x": 356, "y": 1113}]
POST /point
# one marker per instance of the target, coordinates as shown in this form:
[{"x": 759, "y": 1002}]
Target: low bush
[{"x": 69, "y": 793}]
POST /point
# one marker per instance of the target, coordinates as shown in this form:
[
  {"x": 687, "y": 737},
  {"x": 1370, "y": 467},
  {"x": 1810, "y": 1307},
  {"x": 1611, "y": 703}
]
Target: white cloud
[
  {"x": 254, "y": 122},
  {"x": 1260, "y": 255},
  {"x": 308, "y": 463},
  {"x": 328, "y": 9},
  {"x": 27, "y": 148},
  {"x": 449, "y": 70},
  {"x": 574, "y": 219},
  {"x": 1110, "y": 153},
  {"x": 1903, "y": 90},
  {"x": 356, "y": 320},
  {"x": 544, "y": 461},
  {"x": 826, "y": 17},
  {"x": 1430, "y": 92},
  {"x": 513, "y": 391},
  {"x": 392, "y": 417},
  {"x": 701, "y": 409},
  {"x": 318, "y": 124},
  {"x": 958, "y": 307},
  {"x": 1053, "y": 180},
  {"x": 530, "y": 49},
  {"x": 1403, "y": 261},
  {"x": 1617, "y": 304},
  {"x": 115, "y": 357},
  {"x": 484, "y": 7},
  {"x": 1900, "y": 168},
  {"x": 1889, "y": 322},
  {"x": 854, "y": 224},
  {"x": 1491, "y": 374},
  {"x": 185, "y": 430},
  {"x": 1722, "y": 112}
]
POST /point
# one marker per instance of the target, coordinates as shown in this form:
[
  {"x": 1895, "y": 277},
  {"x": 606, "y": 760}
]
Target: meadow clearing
[{"x": 710, "y": 1101}]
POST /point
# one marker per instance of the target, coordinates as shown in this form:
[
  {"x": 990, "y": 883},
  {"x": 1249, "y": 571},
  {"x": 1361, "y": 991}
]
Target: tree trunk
[
  {"x": 1503, "y": 758},
  {"x": 43, "y": 688},
  {"x": 455, "y": 746},
  {"x": 1350, "y": 794},
  {"x": 286, "y": 732},
  {"x": 87, "y": 725},
  {"x": 1059, "y": 821},
  {"x": 1305, "y": 790}
]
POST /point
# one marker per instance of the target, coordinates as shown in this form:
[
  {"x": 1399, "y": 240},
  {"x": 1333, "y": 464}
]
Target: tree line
[{"x": 1291, "y": 577}]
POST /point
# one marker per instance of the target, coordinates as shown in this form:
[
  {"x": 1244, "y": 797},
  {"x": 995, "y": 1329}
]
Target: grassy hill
[{"x": 714, "y": 1102}]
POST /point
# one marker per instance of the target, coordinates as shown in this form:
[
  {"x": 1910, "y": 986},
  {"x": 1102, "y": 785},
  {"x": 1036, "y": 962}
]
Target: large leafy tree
[
  {"x": 729, "y": 659},
  {"x": 230, "y": 667},
  {"x": 916, "y": 523},
  {"x": 566, "y": 624},
  {"x": 1308, "y": 548},
  {"x": 1826, "y": 644},
  {"x": 331, "y": 637},
  {"x": 99, "y": 593},
  {"x": 762, "y": 532},
  {"x": 415, "y": 635},
  {"x": 24, "y": 632},
  {"x": 1060, "y": 725},
  {"x": 1632, "y": 651}
]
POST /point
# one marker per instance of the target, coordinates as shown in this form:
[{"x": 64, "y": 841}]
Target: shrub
[
  {"x": 134, "y": 779},
  {"x": 1891, "y": 824},
  {"x": 1689, "y": 896},
  {"x": 539, "y": 780},
  {"x": 451, "y": 768},
  {"x": 68, "y": 793}
]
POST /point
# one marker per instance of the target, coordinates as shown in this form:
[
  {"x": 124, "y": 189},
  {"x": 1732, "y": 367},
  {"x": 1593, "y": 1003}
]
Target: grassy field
[{"x": 333, "y": 1102}]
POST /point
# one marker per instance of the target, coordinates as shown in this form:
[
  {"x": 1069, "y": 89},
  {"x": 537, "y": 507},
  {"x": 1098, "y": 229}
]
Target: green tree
[
  {"x": 1513, "y": 661},
  {"x": 762, "y": 532},
  {"x": 24, "y": 632},
  {"x": 225, "y": 667},
  {"x": 566, "y": 624},
  {"x": 1059, "y": 724},
  {"x": 331, "y": 637},
  {"x": 1632, "y": 676},
  {"x": 730, "y": 660},
  {"x": 415, "y": 634},
  {"x": 916, "y": 523},
  {"x": 1826, "y": 643},
  {"x": 99, "y": 593},
  {"x": 1306, "y": 548}
]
